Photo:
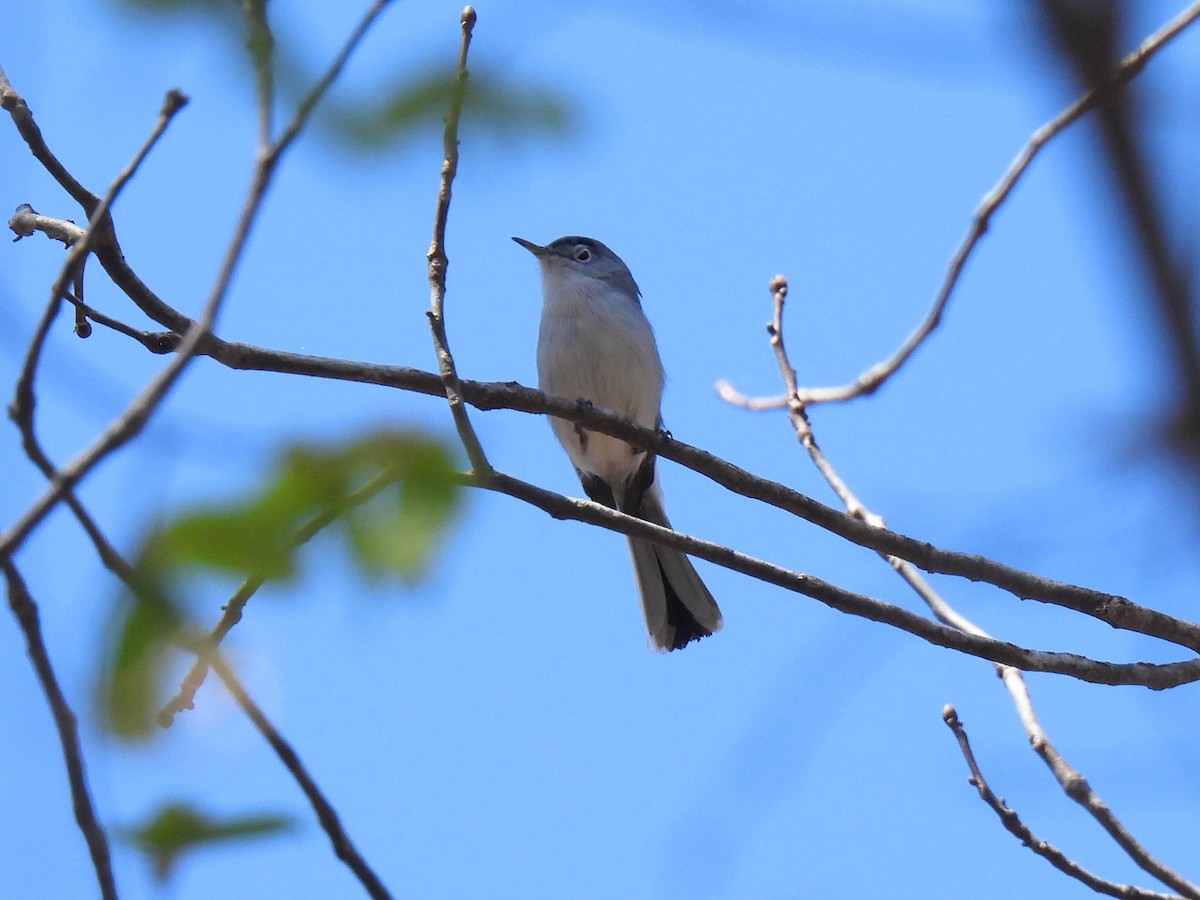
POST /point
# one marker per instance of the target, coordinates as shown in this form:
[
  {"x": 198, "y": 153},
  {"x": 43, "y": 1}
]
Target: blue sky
[{"x": 502, "y": 729}]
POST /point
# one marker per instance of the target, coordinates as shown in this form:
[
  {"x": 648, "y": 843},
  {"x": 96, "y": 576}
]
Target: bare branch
[
  {"x": 11, "y": 101},
  {"x": 157, "y": 342},
  {"x": 438, "y": 261},
  {"x": 26, "y": 612}
]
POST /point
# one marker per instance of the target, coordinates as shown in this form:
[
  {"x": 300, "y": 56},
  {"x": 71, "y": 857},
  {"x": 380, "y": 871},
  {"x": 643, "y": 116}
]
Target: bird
[{"x": 595, "y": 345}]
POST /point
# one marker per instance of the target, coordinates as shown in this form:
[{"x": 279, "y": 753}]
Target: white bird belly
[{"x": 603, "y": 351}]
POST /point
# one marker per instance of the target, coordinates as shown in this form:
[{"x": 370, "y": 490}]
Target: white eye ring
[{"x": 583, "y": 254}]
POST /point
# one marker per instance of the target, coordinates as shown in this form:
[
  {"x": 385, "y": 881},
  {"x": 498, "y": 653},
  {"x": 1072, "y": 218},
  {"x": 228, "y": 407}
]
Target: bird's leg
[{"x": 582, "y": 404}]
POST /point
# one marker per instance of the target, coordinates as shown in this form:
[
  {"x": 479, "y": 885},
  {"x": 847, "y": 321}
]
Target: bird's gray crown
[{"x": 589, "y": 256}]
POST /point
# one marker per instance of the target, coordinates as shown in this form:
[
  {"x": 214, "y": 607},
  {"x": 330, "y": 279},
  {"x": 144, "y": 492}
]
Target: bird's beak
[{"x": 536, "y": 249}]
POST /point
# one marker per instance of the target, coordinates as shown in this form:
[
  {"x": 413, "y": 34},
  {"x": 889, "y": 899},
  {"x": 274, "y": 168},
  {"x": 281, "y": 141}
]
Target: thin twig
[
  {"x": 25, "y": 610},
  {"x": 157, "y": 342},
  {"x": 343, "y": 847},
  {"x": 871, "y": 380},
  {"x": 438, "y": 261},
  {"x": 16, "y": 107},
  {"x": 1050, "y": 853},
  {"x": 83, "y": 328}
]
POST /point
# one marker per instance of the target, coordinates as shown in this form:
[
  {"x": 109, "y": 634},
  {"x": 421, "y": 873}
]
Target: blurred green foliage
[
  {"x": 504, "y": 110},
  {"x": 147, "y": 627},
  {"x": 178, "y": 828},
  {"x": 404, "y": 105},
  {"x": 391, "y": 496}
]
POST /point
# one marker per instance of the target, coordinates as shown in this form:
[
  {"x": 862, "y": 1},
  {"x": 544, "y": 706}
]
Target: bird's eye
[{"x": 583, "y": 254}]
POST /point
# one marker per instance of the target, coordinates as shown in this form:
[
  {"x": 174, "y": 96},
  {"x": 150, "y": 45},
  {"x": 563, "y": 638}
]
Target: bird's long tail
[{"x": 677, "y": 606}]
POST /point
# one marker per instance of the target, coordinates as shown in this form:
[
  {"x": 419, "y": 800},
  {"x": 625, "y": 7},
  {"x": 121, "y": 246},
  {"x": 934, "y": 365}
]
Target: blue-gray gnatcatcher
[{"x": 595, "y": 344}]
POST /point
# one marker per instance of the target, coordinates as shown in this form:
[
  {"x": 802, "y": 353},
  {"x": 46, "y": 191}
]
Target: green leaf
[
  {"x": 178, "y": 828},
  {"x": 260, "y": 536},
  {"x": 259, "y": 40},
  {"x": 420, "y": 102},
  {"x": 398, "y": 532},
  {"x": 242, "y": 541},
  {"x": 148, "y": 627}
]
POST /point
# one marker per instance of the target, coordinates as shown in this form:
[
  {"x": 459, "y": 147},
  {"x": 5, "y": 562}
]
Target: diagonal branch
[
  {"x": 26, "y": 612},
  {"x": 16, "y": 107},
  {"x": 320, "y": 88}
]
